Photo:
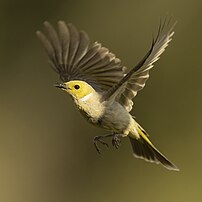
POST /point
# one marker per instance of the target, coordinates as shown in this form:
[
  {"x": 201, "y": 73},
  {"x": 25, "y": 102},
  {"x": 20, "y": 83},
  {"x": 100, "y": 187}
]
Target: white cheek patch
[{"x": 85, "y": 98}]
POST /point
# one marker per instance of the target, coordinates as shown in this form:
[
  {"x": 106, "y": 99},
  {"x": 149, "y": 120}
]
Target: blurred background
[{"x": 46, "y": 149}]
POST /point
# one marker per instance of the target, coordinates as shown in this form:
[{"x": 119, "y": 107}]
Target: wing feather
[
  {"x": 64, "y": 37},
  {"x": 136, "y": 78},
  {"x": 74, "y": 57}
]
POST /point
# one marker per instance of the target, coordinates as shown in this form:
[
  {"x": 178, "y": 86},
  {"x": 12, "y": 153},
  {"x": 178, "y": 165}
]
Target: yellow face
[{"x": 78, "y": 89}]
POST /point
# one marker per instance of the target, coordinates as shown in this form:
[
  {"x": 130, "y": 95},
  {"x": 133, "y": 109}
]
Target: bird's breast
[
  {"x": 111, "y": 116},
  {"x": 92, "y": 110}
]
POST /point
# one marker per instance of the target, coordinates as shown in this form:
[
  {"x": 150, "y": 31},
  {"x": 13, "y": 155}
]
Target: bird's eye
[{"x": 76, "y": 87}]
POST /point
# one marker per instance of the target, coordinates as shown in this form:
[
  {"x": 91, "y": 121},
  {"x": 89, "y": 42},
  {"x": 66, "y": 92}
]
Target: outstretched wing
[
  {"x": 73, "y": 57},
  {"x": 135, "y": 80}
]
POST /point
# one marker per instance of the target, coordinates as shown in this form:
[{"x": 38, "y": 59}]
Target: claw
[
  {"x": 116, "y": 141},
  {"x": 99, "y": 139}
]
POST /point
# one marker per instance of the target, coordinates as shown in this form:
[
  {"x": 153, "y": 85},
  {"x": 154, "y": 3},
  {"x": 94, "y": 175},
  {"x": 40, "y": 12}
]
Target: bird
[{"x": 103, "y": 89}]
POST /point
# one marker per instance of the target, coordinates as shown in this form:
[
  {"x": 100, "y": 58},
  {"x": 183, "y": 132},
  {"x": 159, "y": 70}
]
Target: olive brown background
[{"x": 46, "y": 150}]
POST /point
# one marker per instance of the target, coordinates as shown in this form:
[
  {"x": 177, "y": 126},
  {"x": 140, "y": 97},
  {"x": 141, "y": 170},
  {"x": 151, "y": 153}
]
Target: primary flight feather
[{"x": 100, "y": 85}]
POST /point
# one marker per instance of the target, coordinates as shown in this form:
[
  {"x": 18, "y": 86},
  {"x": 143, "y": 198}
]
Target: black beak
[{"x": 61, "y": 85}]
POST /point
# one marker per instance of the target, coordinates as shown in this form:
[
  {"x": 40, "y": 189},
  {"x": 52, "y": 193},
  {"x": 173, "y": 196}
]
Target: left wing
[
  {"x": 126, "y": 89},
  {"x": 74, "y": 57}
]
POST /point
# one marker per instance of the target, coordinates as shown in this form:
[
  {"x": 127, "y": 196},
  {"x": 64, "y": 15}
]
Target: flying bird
[{"x": 101, "y": 87}]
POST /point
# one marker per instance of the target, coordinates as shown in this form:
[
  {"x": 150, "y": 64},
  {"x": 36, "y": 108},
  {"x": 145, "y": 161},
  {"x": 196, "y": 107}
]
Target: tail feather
[{"x": 144, "y": 149}]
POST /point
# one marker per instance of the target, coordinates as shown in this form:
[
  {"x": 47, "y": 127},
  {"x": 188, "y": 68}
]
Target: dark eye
[{"x": 76, "y": 87}]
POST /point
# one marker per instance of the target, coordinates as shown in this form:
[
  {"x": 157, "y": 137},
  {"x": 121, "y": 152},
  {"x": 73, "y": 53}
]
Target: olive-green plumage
[{"x": 100, "y": 86}]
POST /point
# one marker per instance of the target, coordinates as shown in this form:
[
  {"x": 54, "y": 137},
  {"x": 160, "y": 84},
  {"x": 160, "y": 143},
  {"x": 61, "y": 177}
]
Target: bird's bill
[{"x": 61, "y": 86}]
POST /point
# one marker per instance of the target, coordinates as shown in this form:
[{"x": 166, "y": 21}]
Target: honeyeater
[{"x": 101, "y": 87}]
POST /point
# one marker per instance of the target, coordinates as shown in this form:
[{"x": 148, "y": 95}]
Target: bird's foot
[
  {"x": 116, "y": 140},
  {"x": 99, "y": 139}
]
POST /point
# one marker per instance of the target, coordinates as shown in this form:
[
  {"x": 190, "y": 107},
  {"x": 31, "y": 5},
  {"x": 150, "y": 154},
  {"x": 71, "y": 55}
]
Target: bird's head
[{"x": 77, "y": 89}]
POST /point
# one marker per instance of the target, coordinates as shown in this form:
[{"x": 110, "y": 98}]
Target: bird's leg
[
  {"x": 99, "y": 139},
  {"x": 116, "y": 140}
]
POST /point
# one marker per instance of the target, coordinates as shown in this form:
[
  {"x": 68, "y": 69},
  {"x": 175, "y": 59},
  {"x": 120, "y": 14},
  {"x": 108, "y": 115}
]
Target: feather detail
[
  {"x": 136, "y": 78},
  {"x": 73, "y": 57}
]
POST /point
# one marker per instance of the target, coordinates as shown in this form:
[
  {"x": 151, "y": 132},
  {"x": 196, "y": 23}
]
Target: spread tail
[{"x": 144, "y": 149}]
